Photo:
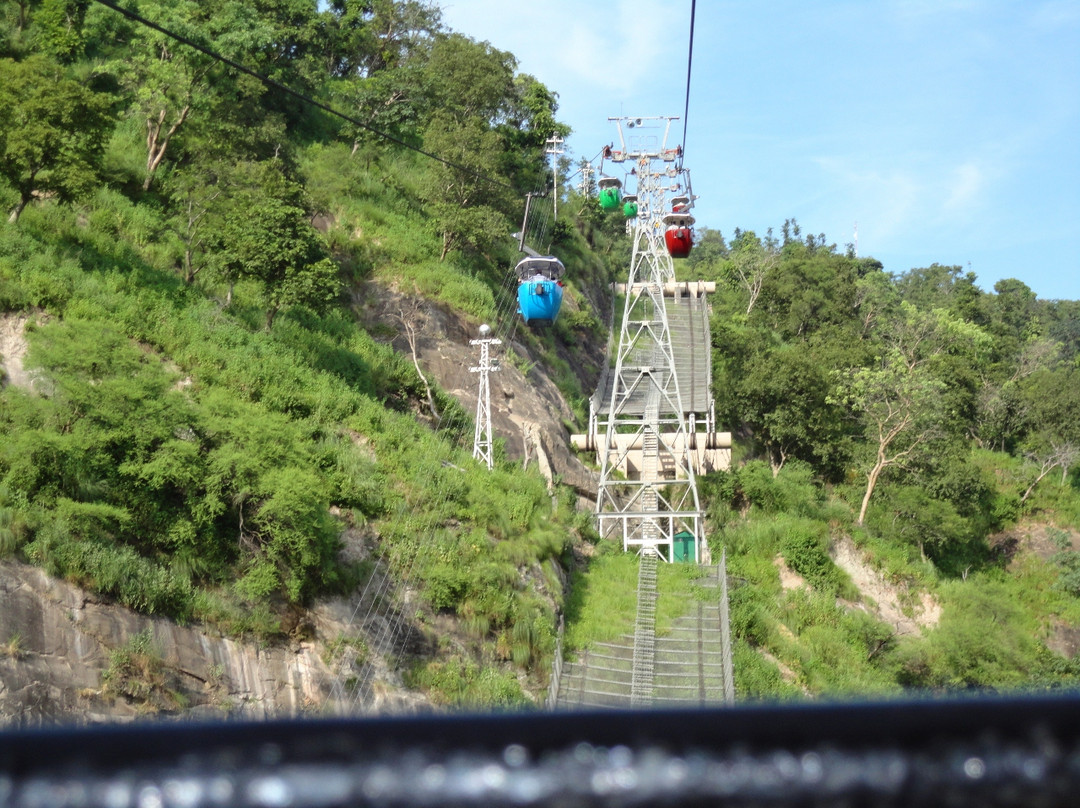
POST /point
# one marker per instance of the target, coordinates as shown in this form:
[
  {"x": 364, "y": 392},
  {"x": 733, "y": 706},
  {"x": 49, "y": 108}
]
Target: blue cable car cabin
[{"x": 540, "y": 288}]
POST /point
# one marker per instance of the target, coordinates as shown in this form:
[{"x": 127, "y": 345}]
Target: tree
[
  {"x": 364, "y": 37},
  {"x": 269, "y": 238},
  {"x": 164, "y": 76},
  {"x": 176, "y": 88},
  {"x": 194, "y": 192},
  {"x": 1053, "y": 420},
  {"x": 59, "y": 26},
  {"x": 783, "y": 396},
  {"x": 750, "y": 261},
  {"x": 52, "y": 132},
  {"x": 1012, "y": 318},
  {"x": 900, "y": 397},
  {"x": 471, "y": 79},
  {"x": 808, "y": 291},
  {"x": 466, "y": 202},
  {"x": 390, "y": 102}
]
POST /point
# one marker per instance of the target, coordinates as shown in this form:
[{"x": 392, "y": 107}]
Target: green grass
[{"x": 602, "y": 603}]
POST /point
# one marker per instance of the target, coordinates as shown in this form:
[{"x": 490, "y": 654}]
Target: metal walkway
[
  {"x": 690, "y": 662},
  {"x": 688, "y": 325}
]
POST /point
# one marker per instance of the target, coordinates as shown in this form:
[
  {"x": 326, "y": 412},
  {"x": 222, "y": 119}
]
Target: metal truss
[
  {"x": 647, "y": 491},
  {"x": 482, "y": 433}
]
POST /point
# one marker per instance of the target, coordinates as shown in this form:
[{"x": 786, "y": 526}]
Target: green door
[{"x": 683, "y": 546}]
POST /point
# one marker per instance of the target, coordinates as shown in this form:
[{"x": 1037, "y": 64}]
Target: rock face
[
  {"x": 57, "y": 641},
  {"x": 528, "y": 412}
]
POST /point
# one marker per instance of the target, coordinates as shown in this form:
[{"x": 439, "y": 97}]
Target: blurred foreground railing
[{"x": 979, "y": 752}]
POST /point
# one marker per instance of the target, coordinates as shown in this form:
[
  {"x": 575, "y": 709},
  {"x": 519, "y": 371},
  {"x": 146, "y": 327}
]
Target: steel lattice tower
[
  {"x": 644, "y": 422},
  {"x": 482, "y": 435}
]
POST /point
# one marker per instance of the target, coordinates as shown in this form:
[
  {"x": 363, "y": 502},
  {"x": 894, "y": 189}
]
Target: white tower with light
[{"x": 482, "y": 435}]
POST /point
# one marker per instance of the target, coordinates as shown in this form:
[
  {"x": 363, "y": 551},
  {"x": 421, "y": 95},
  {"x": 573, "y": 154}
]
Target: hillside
[{"x": 236, "y": 410}]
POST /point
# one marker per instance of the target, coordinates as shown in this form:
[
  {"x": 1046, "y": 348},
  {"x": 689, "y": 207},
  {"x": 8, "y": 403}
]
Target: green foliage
[
  {"x": 805, "y": 548},
  {"x": 185, "y": 460},
  {"x": 984, "y": 640},
  {"x": 76, "y": 542},
  {"x": 909, "y": 515},
  {"x": 51, "y": 131},
  {"x": 756, "y": 678},
  {"x": 602, "y": 601},
  {"x": 462, "y": 683},
  {"x": 791, "y": 491},
  {"x": 268, "y": 238},
  {"x": 59, "y": 28}
]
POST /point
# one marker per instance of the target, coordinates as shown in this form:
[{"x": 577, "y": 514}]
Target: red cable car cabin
[
  {"x": 679, "y": 240},
  {"x": 679, "y": 237}
]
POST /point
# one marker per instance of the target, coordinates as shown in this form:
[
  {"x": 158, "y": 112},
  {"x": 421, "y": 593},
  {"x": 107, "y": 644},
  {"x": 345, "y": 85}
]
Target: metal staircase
[
  {"x": 690, "y": 660},
  {"x": 641, "y": 686}
]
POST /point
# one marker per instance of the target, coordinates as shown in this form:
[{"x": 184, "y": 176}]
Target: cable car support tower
[{"x": 644, "y": 425}]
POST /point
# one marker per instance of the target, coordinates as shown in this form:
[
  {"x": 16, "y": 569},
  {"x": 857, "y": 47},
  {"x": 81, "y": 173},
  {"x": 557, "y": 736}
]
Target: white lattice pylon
[
  {"x": 482, "y": 435},
  {"x": 645, "y": 415}
]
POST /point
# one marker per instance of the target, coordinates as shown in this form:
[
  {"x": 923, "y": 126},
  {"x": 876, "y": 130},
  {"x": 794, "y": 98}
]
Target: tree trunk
[
  {"x": 410, "y": 336},
  {"x": 155, "y": 146},
  {"x": 189, "y": 271},
  {"x": 1038, "y": 480},
  {"x": 777, "y": 458},
  {"x": 871, "y": 481}
]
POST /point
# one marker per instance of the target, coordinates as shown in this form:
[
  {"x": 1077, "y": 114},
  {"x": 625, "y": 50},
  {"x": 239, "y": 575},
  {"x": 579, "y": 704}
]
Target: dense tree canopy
[{"x": 52, "y": 131}]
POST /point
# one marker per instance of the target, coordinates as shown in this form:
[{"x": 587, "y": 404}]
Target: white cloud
[
  {"x": 575, "y": 46},
  {"x": 966, "y": 183}
]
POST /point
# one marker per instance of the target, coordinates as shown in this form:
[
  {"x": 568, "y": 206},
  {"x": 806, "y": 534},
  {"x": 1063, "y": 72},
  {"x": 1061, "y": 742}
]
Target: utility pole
[
  {"x": 586, "y": 178},
  {"x": 553, "y": 144},
  {"x": 482, "y": 435}
]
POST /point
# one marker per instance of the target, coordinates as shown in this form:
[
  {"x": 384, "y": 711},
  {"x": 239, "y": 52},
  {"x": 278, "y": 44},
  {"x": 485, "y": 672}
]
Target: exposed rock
[
  {"x": 882, "y": 598},
  {"x": 13, "y": 349},
  {"x": 521, "y": 401},
  {"x": 56, "y": 641},
  {"x": 789, "y": 579}
]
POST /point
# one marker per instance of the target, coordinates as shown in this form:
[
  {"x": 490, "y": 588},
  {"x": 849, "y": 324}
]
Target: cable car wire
[
  {"x": 277, "y": 85},
  {"x": 689, "y": 68}
]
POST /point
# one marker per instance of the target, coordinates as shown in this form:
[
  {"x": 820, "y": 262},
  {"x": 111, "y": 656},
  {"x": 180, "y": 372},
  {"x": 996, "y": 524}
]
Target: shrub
[
  {"x": 805, "y": 547},
  {"x": 137, "y": 673},
  {"x": 458, "y": 682}
]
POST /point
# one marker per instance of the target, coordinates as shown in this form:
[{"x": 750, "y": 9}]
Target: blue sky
[{"x": 948, "y": 130}]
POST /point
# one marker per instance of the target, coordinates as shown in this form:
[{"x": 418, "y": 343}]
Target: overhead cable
[
  {"x": 689, "y": 67},
  {"x": 277, "y": 85}
]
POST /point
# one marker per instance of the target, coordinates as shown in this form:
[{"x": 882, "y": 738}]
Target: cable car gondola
[
  {"x": 540, "y": 289},
  {"x": 678, "y": 235},
  {"x": 609, "y": 193}
]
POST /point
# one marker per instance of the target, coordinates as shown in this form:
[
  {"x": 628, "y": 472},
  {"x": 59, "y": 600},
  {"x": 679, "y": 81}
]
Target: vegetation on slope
[
  {"x": 205, "y": 415},
  {"x": 918, "y": 416}
]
